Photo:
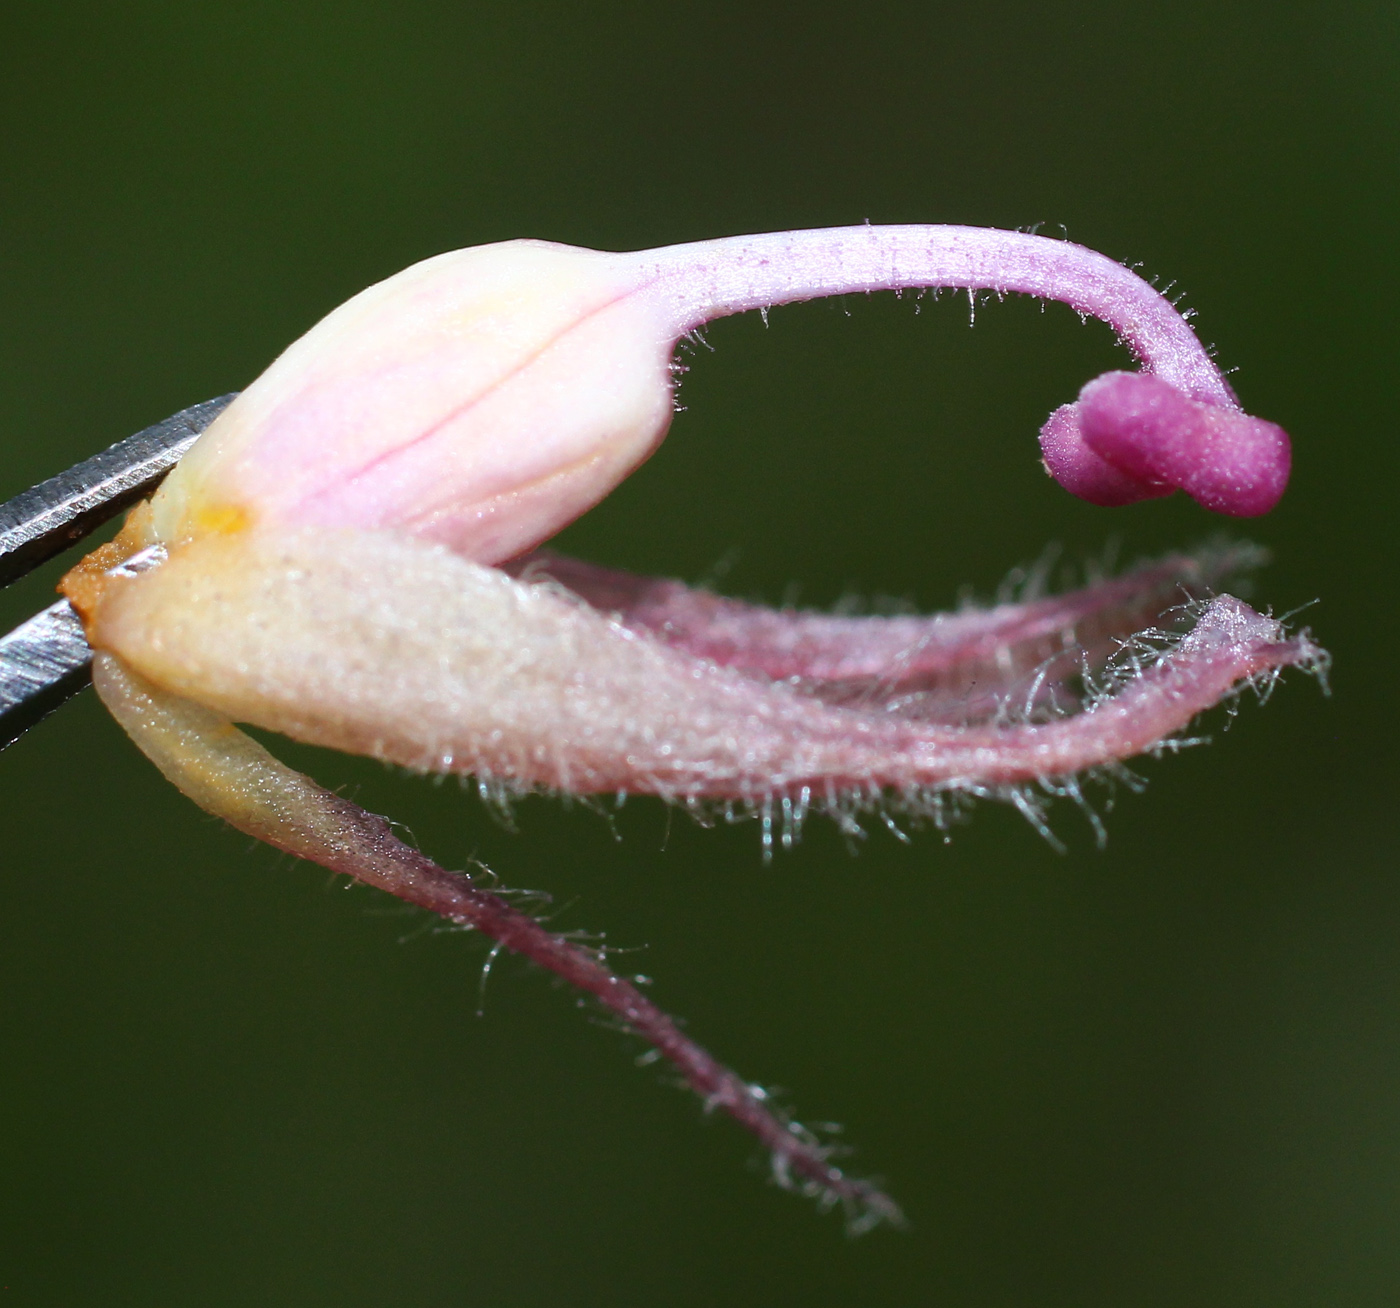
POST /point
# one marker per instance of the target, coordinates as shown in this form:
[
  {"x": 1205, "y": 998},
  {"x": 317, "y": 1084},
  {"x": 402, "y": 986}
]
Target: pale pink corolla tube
[
  {"x": 348, "y": 561},
  {"x": 485, "y": 398}
]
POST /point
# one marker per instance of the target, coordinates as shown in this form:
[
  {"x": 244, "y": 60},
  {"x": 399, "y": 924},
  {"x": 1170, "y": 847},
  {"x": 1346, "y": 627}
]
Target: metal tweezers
[{"x": 46, "y": 661}]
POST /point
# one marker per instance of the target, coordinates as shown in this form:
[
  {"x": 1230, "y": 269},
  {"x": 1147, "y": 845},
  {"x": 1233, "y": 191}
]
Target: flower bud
[{"x": 481, "y": 399}]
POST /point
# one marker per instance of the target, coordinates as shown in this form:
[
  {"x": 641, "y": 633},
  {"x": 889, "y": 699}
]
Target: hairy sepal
[
  {"x": 970, "y": 665},
  {"x": 233, "y": 777},
  {"x": 395, "y": 648}
]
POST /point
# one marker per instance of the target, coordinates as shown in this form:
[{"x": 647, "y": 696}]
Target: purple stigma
[{"x": 1132, "y": 436}]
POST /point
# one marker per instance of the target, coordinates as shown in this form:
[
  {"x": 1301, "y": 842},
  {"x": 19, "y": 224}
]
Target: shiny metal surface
[
  {"x": 44, "y": 661},
  {"x": 46, "y": 519}
]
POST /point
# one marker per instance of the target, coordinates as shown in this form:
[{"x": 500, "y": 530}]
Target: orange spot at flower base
[{"x": 222, "y": 519}]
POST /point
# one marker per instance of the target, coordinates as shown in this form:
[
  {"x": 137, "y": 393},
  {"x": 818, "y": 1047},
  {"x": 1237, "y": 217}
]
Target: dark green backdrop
[{"x": 1164, "y": 1074}]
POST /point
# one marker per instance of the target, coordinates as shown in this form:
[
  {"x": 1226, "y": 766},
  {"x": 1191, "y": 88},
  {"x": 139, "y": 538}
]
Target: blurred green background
[{"x": 1167, "y": 1073}]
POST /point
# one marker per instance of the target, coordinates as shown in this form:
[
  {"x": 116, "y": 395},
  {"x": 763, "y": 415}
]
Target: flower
[{"x": 349, "y": 556}]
